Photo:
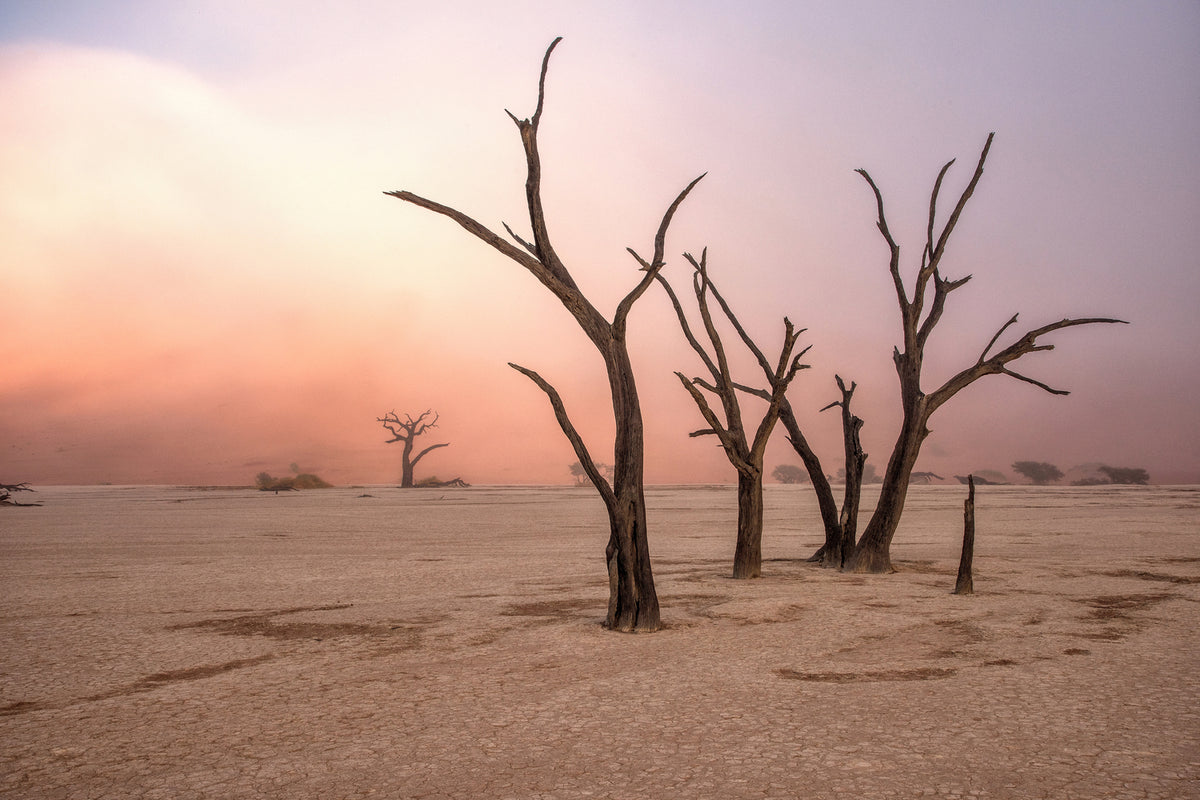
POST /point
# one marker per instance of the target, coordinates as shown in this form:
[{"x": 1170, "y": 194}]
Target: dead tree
[
  {"x": 838, "y": 548},
  {"x": 746, "y": 456},
  {"x": 633, "y": 602},
  {"x": 965, "y": 583},
  {"x": 873, "y": 553},
  {"x": 6, "y": 490},
  {"x": 407, "y": 430},
  {"x": 841, "y": 526}
]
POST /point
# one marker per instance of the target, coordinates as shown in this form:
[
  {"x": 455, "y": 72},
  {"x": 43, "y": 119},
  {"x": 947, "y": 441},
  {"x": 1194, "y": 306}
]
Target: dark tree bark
[
  {"x": 841, "y": 527},
  {"x": 633, "y": 601},
  {"x": 826, "y": 502},
  {"x": 840, "y": 547},
  {"x": 407, "y": 430},
  {"x": 744, "y": 454},
  {"x": 873, "y": 553},
  {"x": 965, "y": 583}
]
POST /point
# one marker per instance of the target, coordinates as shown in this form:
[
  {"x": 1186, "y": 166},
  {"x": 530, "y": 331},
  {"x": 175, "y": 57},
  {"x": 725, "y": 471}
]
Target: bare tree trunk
[
  {"x": 841, "y": 527},
  {"x": 747, "y": 556},
  {"x": 634, "y": 605},
  {"x": 406, "y": 467},
  {"x": 843, "y": 546},
  {"x": 826, "y": 502},
  {"x": 965, "y": 583},
  {"x": 873, "y": 552}
]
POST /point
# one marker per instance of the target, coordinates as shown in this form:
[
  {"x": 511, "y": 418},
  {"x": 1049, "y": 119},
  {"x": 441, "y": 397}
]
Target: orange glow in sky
[{"x": 201, "y": 278}]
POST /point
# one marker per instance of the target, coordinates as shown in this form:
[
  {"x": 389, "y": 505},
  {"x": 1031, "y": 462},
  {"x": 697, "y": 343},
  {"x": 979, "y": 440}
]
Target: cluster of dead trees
[{"x": 633, "y": 602}]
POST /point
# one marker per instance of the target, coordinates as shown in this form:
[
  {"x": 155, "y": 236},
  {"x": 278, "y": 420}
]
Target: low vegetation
[{"x": 265, "y": 482}]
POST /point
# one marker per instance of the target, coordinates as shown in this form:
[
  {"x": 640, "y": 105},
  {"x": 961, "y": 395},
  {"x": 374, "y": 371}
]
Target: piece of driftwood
[{"x": 6, "y": 490}]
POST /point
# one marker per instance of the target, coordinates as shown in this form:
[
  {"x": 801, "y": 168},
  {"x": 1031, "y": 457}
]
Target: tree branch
[
  {"x": 940, "y": 248},
  {"x": 426, "y": 450},
  {"x": 729, "y": 440},
  {"x": 997, "y": 364},
  {"x": 683, "y": 323},
  {"x": 652, "y": 268},
  {"x": 568, "y": 429},
  {"x": 532, "y": 250},
  {"x": 894, "y": 263}
]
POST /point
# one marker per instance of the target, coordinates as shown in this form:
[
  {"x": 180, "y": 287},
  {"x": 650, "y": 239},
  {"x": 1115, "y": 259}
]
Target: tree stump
[{"x": 964, "y": 584}]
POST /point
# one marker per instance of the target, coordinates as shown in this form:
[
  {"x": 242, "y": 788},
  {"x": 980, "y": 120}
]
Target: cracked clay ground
[{"x": 182, "y": 643}]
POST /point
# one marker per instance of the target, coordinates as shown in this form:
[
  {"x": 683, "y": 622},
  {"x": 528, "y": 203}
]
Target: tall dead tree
[
  {"x": 745, "y": 455},
  {"x": 407, "y": 430},
  {"x": 839, "y": 546},
  {"x": 633, "y": 601},
  {"x": 873, "y": 552}
]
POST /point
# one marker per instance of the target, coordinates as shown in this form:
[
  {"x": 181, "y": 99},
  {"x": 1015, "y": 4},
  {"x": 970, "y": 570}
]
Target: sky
[{"x": 202, "y": 279}]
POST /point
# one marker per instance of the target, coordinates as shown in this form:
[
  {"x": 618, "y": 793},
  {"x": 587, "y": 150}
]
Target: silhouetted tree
[
  {"x": 407, "y": 430},
  {"x": 744, "y": 454},
  {"x": 870, "y": 475},
  {"x": 633, "y": 601},
  {"x": 841, "y": 526},
  {"x": 985, "y": 477},
  {"x": 1126, "y": 475},
  {"x": 1039, "y": 472},
  {"x": 789, "y": 473},
  {"x": 580, "y": 474},
  {"x": 873, "y": 552}
]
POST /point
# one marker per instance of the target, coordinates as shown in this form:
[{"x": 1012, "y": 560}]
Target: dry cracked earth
[{"x": 371, "y": 642}]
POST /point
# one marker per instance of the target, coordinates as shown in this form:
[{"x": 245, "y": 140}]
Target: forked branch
[
  {"x": 564, "y": 421},
  {"x": 998, "y": 363}
]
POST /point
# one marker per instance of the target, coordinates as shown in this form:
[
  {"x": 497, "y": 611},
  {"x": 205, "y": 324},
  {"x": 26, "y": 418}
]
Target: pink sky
[{"x": 202, "y": 279}]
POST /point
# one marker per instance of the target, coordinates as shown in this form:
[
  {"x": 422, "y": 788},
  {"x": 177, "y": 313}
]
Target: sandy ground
[{"x": 181, "y": 643}]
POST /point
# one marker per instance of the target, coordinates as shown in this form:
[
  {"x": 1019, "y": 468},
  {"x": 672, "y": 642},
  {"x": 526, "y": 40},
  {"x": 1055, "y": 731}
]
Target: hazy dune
[{"x": 169, "y": 642}]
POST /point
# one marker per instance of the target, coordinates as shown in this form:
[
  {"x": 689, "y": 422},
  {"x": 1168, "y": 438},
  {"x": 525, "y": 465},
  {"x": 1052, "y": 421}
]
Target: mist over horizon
[{"x": 203, "y": 280}]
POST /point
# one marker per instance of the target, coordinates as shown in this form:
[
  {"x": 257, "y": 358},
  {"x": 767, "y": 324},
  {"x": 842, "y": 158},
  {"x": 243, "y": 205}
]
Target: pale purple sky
[{"x": 201, "y": 278}]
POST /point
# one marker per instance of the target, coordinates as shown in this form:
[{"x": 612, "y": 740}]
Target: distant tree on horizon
[
  {"x": 407, "y": 430},
  {"x": 266, "y": 482},
  {"x": 870, "y": 475},
  {"x": 986, "y": 476},
  {"x": 580, "y": 474},
  {"x": 1126, "y": 475},
  {"x": 1039, "y": 472},
  {"x": 790, "y": 474}
]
